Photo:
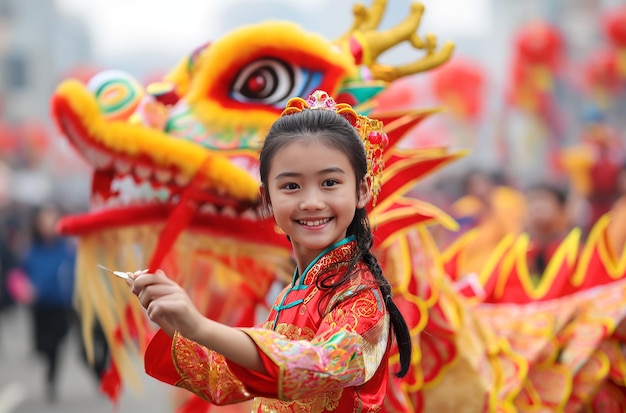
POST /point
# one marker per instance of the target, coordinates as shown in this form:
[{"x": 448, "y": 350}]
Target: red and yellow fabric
[
  {"x": 559, "y": 354},
  {"x": 341, "y": 340}
]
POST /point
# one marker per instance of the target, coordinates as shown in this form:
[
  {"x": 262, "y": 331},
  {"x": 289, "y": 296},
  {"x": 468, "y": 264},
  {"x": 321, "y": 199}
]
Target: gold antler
[{"x": 375, "y": 42}]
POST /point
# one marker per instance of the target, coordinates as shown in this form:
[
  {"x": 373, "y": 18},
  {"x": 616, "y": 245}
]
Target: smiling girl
[{"x": 326, "y": 342}]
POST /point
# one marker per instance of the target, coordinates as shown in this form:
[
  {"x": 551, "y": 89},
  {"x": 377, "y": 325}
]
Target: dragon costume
[{"x": 175, "y": 186}]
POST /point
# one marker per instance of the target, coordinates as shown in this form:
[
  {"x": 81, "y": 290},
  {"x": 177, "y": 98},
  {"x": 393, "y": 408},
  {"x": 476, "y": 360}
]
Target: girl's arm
[
  {"x": 168, "y": 305},
  {"x": 230, "y": 342},
  {"x": 347, "y": 350}
]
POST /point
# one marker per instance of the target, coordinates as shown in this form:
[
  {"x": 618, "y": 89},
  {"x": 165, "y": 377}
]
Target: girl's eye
[
  {"x": 290, "y": 186},
  {"x": 330, "y": 182}
]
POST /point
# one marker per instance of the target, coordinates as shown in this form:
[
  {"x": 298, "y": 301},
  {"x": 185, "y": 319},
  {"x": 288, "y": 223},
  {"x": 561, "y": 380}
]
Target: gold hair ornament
[{"x": 370, "y": 131}]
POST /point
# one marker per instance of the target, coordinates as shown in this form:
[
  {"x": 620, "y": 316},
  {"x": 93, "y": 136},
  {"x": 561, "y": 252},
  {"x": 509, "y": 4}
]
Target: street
[{"x": 22, "y": 388}]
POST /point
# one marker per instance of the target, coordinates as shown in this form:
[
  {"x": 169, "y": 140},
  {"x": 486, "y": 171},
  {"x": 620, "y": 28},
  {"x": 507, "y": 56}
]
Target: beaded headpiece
[{"x": 370, "y": 131}]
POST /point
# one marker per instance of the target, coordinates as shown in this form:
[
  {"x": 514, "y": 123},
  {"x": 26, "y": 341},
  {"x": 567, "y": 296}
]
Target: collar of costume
[{"x": 339, "y": 252}]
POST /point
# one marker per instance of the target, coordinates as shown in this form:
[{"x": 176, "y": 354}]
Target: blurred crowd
[{"x": 585, "y": 182}]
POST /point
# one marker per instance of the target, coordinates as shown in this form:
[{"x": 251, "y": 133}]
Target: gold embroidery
[
  {"x": 205, "y": 373},
  {"x": 293, "y": 332},
  {"x": 326, "y": 402},
  {"x": 310, "y": 296},
  {"x": 306, "y": 300},
  {"x": 365, "y": 307},
  {"x": 332, "y": 261},
  {"x": 356, "y": 285}
]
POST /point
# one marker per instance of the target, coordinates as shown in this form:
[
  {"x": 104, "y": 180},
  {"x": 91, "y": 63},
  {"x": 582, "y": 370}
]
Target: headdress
[{"x": 369, "y": 130}]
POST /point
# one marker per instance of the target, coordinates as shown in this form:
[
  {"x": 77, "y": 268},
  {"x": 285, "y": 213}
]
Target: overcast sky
[{"x": 122, "y": 27}]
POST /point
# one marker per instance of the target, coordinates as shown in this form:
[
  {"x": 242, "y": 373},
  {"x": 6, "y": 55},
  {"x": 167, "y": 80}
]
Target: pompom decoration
[
  {"x": 370, "y": 130},
  {"x": 118, "y": 94}
]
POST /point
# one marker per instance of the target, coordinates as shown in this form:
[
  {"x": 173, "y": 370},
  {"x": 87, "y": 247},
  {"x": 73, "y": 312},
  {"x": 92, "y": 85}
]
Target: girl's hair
[{"x": 336, "y": 132}]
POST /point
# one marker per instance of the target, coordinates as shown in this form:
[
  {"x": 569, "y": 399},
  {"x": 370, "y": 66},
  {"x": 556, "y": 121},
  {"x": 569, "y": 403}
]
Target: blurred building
[{"x": 37, "y": 45}]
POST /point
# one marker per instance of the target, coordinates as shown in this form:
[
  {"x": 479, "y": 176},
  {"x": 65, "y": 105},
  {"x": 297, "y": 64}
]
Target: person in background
[
  {"x": 488, "y": 211},
  {"x": 548, "y": 223},
  {"x": 617, "y": 226},
  {"x": 49, "y": 264}
]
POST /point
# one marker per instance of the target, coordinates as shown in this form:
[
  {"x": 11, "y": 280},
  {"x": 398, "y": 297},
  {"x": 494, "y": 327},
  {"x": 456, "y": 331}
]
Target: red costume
[{"x": 324, "y": 350}]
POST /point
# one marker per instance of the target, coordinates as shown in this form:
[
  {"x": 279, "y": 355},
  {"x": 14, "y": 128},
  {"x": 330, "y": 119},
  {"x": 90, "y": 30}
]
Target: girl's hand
[{"x": 166, "y": 303}]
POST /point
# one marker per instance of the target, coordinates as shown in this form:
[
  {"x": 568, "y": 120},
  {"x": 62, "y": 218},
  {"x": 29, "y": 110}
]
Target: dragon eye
[{"x": 270, "y": 82}]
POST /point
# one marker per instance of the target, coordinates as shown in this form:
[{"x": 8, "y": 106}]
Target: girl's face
[{"x": 313, "y": 195}]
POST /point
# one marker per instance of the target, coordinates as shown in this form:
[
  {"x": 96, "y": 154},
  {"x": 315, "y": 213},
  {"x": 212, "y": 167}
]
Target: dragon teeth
[
  {"x": 101, "y": 160},
  {"x": 249, "y": 214},
  {"x": 208, "y": 209},
  {"x": 121, "y": 166},
  {"x": 143, "y": 172},
  {"x": 229, "y": 212},
  {"x": 163, "y": 175},
  {"x": 182, "y": 179}
]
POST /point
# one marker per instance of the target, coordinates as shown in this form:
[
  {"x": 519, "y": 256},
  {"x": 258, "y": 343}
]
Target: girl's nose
[{"x": 311, "y": 202}]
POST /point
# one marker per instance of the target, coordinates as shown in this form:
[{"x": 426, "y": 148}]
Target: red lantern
[
  {"x": 538, "y": 43},
  {"x": 601, "y": 72},
  {"x": 459, "y": 84},
  {"x": 615, "y": 27},
  {"x": 536, "y": 58}
]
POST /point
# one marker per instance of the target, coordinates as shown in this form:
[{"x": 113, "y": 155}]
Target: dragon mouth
[{"x": 146, "y": 188}]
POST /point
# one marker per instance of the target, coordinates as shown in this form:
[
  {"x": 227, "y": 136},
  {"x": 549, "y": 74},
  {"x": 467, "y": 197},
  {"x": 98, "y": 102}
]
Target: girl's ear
[{"x": 364, "y": 194}]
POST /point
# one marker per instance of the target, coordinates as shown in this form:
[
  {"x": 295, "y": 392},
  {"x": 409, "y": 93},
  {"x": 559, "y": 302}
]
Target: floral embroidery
[
  {"x": 328, "y": 402},
  {"x": 293, "y": 332},
  {"x": 205, "y": 373},
  {"x": 334, "y": 260}
]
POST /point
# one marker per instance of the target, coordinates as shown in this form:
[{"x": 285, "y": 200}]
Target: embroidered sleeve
[
  {"x": 205, "y": 373},
  {"x": 346, "y": 351}
]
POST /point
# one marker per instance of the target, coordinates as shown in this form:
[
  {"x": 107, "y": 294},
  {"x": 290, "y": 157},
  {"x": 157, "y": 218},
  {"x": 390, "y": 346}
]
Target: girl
[{"x": 326, "y": 342}]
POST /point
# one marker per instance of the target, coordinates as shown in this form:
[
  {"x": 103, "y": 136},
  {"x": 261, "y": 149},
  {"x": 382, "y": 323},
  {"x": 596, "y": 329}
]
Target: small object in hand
[{"x": 120, "y": 274}]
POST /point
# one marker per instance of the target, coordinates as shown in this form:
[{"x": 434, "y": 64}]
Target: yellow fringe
[{"x": 191, "y": 262}]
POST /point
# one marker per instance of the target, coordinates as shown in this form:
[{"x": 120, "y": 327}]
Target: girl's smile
[{"x": 314, "y": 223}]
